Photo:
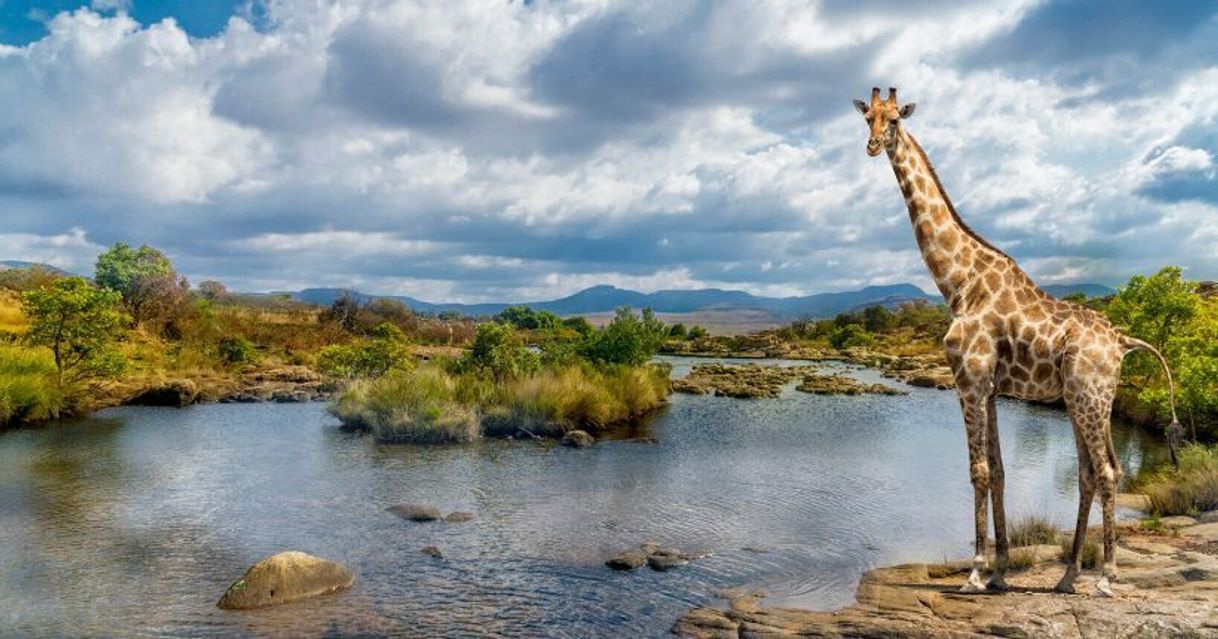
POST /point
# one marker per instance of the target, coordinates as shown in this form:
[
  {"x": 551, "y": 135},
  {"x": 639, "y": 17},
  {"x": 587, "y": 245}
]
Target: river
[{"x": 133, "y": 521}]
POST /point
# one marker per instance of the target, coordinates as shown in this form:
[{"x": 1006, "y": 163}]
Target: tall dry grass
[
  {"x": 1189, "y": 489},
  {"x": 29, "y": 390},
  {"x": 429, "y": 404}
]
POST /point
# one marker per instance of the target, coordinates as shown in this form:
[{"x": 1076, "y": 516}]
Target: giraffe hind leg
[
  {"x": 1086, "y": 493},
  {"x": 997, "y": 480}
]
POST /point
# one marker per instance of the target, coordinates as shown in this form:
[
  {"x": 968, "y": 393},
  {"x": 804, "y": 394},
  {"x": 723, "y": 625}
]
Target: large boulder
[
  {"x": 174, "y": 392},
  {"x": 288, "y": 576},
  {"x": 577, "y": 439},
  {"x": 415, "y": 512}
]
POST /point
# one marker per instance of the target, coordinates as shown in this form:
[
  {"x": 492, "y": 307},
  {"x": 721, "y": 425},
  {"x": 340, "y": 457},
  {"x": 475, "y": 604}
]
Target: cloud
[{"x": 513, "y": 150}]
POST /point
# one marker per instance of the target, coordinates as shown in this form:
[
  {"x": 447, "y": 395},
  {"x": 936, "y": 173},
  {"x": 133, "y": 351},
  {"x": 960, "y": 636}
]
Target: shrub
[
  {"x": 529, "y": 319},
  {"x": 499, "y": 352},
  {"x": 236, "y": 350},
  {"x": 1092, "y": 551},
  {"x": 697, "y": 332},
  {"x": 627, "y": 339},
  {"x": 850, "y": 335},
  {"x": 1190, "y": 489},
  {"x": 386, "y": 350},
  {"x": 1032, "y": 531}
]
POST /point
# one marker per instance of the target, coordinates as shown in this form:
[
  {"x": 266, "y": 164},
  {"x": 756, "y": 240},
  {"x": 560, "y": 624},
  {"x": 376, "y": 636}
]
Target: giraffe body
[{"x": 1008, "y": 337}]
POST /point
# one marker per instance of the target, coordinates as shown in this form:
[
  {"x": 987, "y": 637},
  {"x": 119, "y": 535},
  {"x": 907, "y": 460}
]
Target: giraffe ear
[
  {"x": 907, "y": 110},
  {"x": 861, "y": 106}
]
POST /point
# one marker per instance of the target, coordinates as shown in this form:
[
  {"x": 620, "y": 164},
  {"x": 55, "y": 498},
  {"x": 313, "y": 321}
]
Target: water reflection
[{"x": 135, "y": 522}]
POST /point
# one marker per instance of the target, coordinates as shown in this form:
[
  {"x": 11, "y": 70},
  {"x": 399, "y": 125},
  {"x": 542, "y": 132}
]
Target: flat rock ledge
[
  {"x": 1168, "y": 587},
  {"x": 287, "y": 576}
]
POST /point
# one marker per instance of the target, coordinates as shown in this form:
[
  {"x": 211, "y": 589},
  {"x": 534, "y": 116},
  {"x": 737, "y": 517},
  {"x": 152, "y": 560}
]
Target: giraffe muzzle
[{"x": 873, "y": 147}]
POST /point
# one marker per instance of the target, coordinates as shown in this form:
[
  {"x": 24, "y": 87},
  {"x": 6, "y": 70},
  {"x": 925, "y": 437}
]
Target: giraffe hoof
[
  {"x": 997, "y": 584},
  {"x": 1065, "y": 589},
  {"x": 972, "y": 586},
  {"x": 1103, "y": 589}
]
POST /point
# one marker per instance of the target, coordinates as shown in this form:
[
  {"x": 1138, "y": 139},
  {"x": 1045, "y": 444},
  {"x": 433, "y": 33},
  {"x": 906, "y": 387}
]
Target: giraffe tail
[{"x": 1174, "y": 431}]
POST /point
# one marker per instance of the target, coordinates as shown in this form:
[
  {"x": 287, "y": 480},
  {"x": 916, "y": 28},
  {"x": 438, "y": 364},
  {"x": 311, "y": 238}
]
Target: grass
[
  {"x": 419, "y": 406},
  {"x": 28, "y": 386},
  {"x": 12, "y": 319},
  {"x": 1032, "y": 530},
  {"x": 429, "y": 405},
  {"x": 1187, "y": 490},
  {"x": 1021, "y": 558},
  {"x": 1092, "y": 551}
]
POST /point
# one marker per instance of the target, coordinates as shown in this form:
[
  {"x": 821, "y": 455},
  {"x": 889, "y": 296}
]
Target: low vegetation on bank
[
  {"x": 1190, "y": 489},
  {"x": 580, "y": 378}
]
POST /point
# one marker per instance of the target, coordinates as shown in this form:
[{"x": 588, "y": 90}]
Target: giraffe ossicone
[{"x": 1010, "y": 338}]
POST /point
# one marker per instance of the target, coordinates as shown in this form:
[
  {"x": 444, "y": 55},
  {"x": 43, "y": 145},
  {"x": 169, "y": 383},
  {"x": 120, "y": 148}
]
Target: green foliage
[
  {"x": 578, "y": 324},
  {"x": 79, "y": 323},
  {"x": 1154, "y": 308},
  {"x": 236, "y": 350},
  {"x": 526, "y": 318},
  {"x": 677, "y": 331},
  {"x": 386, "y": 349},
  {"x": 29, "y": 388},
  {"x": 1091, "y": 555},
  {"x": 850, "y": 335},
  {"x": 697, "y": 332},
  {"x": 499, "y": 352},
  {"x": 1187, "y": 490},
  {"x": 144, "y": 277},
  {"x": 877, "y": 319},
  {"x": 628, "y": 339}
]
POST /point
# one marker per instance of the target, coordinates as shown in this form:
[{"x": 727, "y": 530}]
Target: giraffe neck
[{"x": 956, "y": 256}]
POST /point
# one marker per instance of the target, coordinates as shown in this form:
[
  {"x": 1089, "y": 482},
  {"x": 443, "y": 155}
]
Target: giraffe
[{"x": 1010, "y": 338}]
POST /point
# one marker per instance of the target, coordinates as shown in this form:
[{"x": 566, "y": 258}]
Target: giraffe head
[{"x": 883, "y": 118}]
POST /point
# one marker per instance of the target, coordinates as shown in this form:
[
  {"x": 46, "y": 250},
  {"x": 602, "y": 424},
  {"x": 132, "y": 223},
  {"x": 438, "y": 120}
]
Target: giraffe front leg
[
  {"x": 975, "y": 424},
  {"x": 997, "y": 481}
]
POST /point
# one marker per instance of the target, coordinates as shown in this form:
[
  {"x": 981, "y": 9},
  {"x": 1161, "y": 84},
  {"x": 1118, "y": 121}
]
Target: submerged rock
[
  {"x": 842, "y": 385},
  {"x": 458, "y": 517},
  {"x": 577, "y": 439},
  {"x": 663, "y": 563},
  {"x": 287, "y": 576},
  {"x": 628, "y": 560},
  {"x": 746, "y": 381},
  {"x": 415, "y": 512},
  {"x": 432, "y": 551}
]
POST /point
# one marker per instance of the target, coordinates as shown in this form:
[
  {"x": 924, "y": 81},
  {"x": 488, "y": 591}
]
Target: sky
[{"x": 496, "y": 151}]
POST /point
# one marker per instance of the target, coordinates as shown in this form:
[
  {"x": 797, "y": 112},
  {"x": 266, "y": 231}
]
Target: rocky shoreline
[
  {"x": 752, "y": 381},
  {"x": 262, "y": 384},
  {"x": 1168, "y": 587}
]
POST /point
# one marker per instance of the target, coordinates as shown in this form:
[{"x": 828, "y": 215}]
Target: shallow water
[{"x": 134, "y": 521}]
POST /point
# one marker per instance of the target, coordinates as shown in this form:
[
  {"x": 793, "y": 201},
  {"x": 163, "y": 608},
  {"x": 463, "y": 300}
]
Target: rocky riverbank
[
  {"x": 259, "y": 384},
  {"x": 1168, "y": 587}
]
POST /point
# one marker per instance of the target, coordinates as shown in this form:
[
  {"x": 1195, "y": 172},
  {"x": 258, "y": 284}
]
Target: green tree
[
  {"x": 677, "y": 331},
  {"x": 1154, "y": 309},
  {"x": 498, "y": 351},
  {"x": 697, "y": 332},
  {"x": 628, "y": 339},
  {"x": 578, "y": 324},
  {"x": 877, "y": 319},
  {"x": 144, "y": 277},
  {"x": 80, "y": 324},
  {"x": 528, "y": 318}
]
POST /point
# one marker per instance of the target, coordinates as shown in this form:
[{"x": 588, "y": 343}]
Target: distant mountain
[
  {"x": 17, "y": 264},
  {"x": 600, "y": 299},
  {"x": 1090, "y": 290}
]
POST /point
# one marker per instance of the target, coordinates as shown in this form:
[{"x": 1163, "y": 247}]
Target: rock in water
[
  {"x": 578, "y": 439},
  {"x": 458, "y": 517},
  {"x": 628, "y": 560},
  {"x": 415, "y": 512},
  {"x": 432, "y": 551},
  {"x": 288, "y": 576},
  {"x": 175, "y": 392},
  {"x": 662, "y": 563}
]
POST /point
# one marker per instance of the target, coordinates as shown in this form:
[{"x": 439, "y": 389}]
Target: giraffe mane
[{"x": 951, "y": 209}]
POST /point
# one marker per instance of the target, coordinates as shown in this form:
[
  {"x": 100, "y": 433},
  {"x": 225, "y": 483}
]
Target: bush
[
  {"x": 236, "y": 350},
  {"x": 386, "y": 350},
  {"x": 499, "y": 352},
  {"x": 850, "y": 335},
  {"x": 1190, "y": 489},
  {"x": 1032, "y": 531},
  {"x": 1092, "y": 551},
  {"x": 526, "y": 318},
  {"x": 628, "y": 339},
  {"x": 78, "y": 322}
]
